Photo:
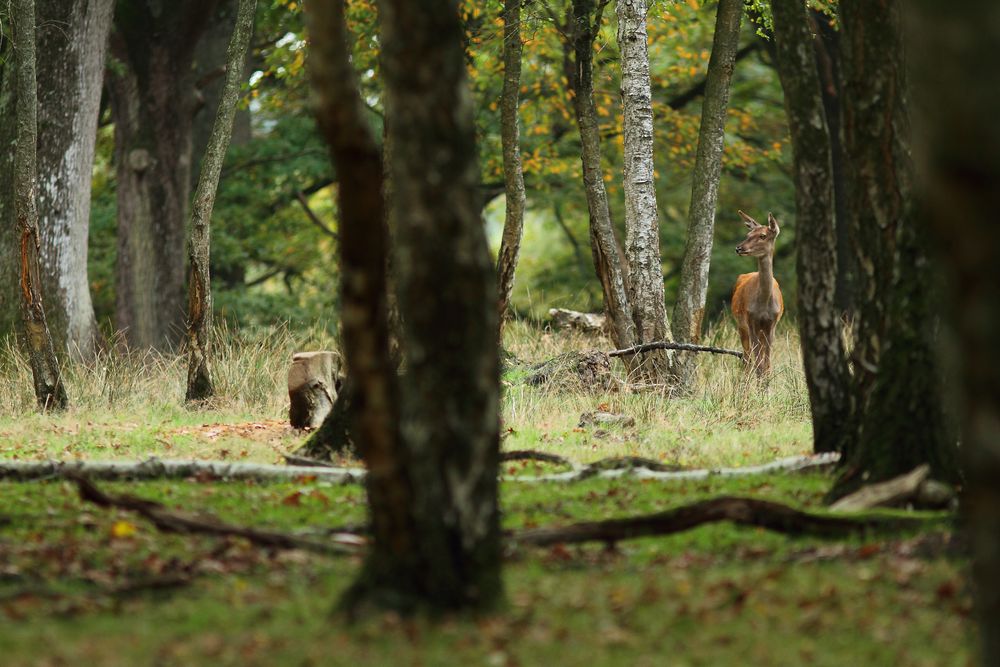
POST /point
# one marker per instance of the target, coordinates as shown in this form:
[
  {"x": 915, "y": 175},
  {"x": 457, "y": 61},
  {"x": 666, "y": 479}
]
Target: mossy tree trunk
[
  {"x": 513, "y": 225},
  {"x": 199, "y": 319},
  {"x": 153, "y": 102},
  {"x": 10, "y": 306},
  {"x": 49, "y": 390},
  {"x": 689, "y": 310},
  {"x": 954, "y": 47},
  {"x": 900, "y": 419},
  {"x": 642, "y": 228},
  {"x": 432, "y": 456},
  {"x": 823, "y": 353}
]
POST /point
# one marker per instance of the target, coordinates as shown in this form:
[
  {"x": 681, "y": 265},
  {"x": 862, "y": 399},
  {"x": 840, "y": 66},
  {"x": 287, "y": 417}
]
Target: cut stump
[{"x": 312, "y": 387}]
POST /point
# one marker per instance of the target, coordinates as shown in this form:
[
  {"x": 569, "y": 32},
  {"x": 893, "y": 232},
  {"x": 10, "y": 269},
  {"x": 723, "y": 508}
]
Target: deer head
[{"x": 760, "y": 239}]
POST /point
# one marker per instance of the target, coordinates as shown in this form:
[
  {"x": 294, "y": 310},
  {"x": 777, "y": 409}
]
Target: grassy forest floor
[{"x": 84, "y": 585}]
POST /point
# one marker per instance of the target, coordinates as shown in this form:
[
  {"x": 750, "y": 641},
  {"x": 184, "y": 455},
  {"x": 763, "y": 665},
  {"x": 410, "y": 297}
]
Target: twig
[
  {"x": 742, "y": 511},
  {"x": 178, "y": 522},
  {"x": 663, "y": 345},
  {"x": 313, "y": 218},
  {"x": 532, "y": 455}
]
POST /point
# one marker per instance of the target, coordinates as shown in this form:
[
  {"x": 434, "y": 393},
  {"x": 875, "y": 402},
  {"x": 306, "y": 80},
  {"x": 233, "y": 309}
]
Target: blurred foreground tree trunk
[
  {"x": 958, "y": 88},
  {"x": 899, "y": 417},
  {"x": 642, "y": 229},
  {"x": 513, "y": 225},
  {"x": 823, "y": 353},
  {"x": 72, "y": 43},
  {"x": 37, "y": 342},
  {"x": 582, "y": 26},
  {"x": 432, "y": 455},
  {"x": 199, "y": 319},
  {"x": 153, "y": 101},
  {"x": 689, "y": 309}
]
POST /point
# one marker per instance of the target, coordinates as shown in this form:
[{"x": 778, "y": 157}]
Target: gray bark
[
  {"x": 611, "y": 271},
  {"x": 823, "y": 353},
  {"x": 72, "y": 40},
  {"x": 153, "y": 102},
  {"x": 513, "y": 225},
  {"x": 199, "y": 322},
  {"x": 689, "y": 310},
  {"x": 642, "y": 230},
  {"x": 954, "y": 51},
  {"x": 37, "y": 342},
  {"x": 9, "y": 291}
]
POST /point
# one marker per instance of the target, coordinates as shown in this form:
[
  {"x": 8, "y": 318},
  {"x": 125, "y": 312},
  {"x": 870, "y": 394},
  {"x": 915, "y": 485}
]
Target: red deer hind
[{"x": 757, "y": 303}]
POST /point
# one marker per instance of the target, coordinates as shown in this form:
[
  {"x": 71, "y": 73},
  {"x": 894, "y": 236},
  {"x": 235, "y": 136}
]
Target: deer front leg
[{"x": 766, "y": 344}]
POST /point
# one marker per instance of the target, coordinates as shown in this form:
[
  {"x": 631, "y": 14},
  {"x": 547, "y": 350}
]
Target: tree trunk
[
  {"x": 153, "y": 102},
  {"x": 902, "y": 423},
  {"x": 49, "y": 390},
  {"x": 823, "y": 353},
  {"x": 954, "y": 48},
  {"x": 690, "y": 307},
  {"x": 827, "y": 46},
  {"x": 876, "y": 139},
  {"x": 199, "y": 320},
  {"x": 447, "y": 556},
  {"x": 642, "y": 229},
  {"x": 72, "y": 41},
  {"x": 9, "y": 267},
  {"x": 582, "y": 28},
  {"x": 513, "y": 224}
]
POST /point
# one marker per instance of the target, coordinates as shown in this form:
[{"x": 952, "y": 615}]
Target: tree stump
[
  {"x": 312, "y": 387},
  {"x": 589, "y": 370}
]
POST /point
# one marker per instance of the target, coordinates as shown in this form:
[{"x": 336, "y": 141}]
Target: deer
[{"x": 757, "y": 303}]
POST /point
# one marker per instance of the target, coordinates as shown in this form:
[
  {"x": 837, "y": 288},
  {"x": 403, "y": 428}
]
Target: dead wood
[
  {"x": 532, "y": 455},
  {"x": 663, "y": 345},
  {"x": 741, "y": 511},
  {"x": 184, "y": 523},
  {"x": 571, "y": 319},
  {"x": 153, "y": 468},
  {"x": 306, "y": 462},
  {"x": 629, "y": 463},
  {"x": 312, "y": 387},
  {"x": 913, "y": 488},
  {"x": 589, "y": 370}
]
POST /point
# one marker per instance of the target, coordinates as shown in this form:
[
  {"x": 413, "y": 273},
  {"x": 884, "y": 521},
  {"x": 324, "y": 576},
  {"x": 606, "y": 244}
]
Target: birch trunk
[
  {"x": 642, "y": 230},
  {"x": 199, "y": 322},
  {"x": 49, "y": 390},
  {"x": 72, "y": 41},
  {"x": 823, "y": 353},
  {"x": 954, "y": 47},
  {"x": 513, "y": 225},
  {"x": 582, "y": 30},
  {"x": 689, "y": 310}
]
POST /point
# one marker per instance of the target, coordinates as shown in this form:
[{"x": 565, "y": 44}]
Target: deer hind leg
[{"x": 761, "y": 352}]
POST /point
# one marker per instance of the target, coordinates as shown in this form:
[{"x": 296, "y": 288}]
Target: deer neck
[{"x": 765, "y": 282}]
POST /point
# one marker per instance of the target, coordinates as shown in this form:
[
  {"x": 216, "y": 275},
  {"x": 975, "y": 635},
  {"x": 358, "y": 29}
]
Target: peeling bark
[
  {"x": 823, "y": 353},
  {"x": 37, "y": 342},
  {"x": 199, "y": 324},
  {"x": 689, "y": 310},
  {"x": 513, "y": 225},
  {"x": 642, "y": 229}
]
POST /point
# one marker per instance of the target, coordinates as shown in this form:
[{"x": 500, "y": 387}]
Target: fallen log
[
  {"x": 741, "y": 511},
  {"x": 914, "y": 487},
  {"x": 663, "y": 345},
  {"x": 572, "y": 319},
  {"x": 532, "y": 455},
  {"x": 170, "y": 521},
  {"x": 155, "y": 468}
]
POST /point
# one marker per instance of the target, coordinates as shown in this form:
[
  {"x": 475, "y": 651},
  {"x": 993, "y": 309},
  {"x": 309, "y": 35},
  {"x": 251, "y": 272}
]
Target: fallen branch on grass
[
  {"x": 532, "y": 455},
  {"x": 915, "y": 487},
  {"x": 741, "y": 511},
  {"x": 663, "y": 345},
  {"x": 155, "y": 468},
  {"x": 181, "y": 522},
  {"x": 150, "y": 469}
]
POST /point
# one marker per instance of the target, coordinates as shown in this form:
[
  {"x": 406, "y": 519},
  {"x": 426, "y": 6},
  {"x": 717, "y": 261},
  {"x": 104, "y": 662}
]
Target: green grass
[{"x": 71, "y": 576}]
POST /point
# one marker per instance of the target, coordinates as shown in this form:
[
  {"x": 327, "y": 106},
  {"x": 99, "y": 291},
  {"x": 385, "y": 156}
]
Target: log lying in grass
[
  {"x": 741, "y": 511},
  {"x": 663, "y": 345},
  {"x": 589, "y": 370},
  {"x": 154, "y": 468},
  {"x": 571, "y": 319},
  {"x": 914, "y": 488},
  {"x": 170, "y": 521},
  {"x": 617, "y": 467}
]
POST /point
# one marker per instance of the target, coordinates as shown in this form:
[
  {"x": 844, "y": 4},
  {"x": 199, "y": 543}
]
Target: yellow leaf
[{"x": 122, "y": 529}]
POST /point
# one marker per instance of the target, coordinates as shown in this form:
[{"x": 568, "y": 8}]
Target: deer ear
[
  {"x": 772, "y": 224},
  {"x": 748, "y": 221}
]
